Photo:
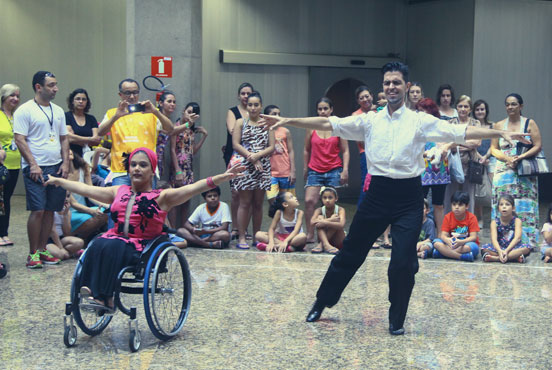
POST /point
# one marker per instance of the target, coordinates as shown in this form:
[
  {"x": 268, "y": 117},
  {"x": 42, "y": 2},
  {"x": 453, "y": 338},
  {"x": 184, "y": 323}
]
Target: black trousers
[
  {"x": 9, "y": 187},
  {"x": 398, "y": 202}
]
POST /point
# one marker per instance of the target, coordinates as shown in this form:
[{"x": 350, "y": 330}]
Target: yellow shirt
[
  {"x": 13, "y": 157},
  {"x": 130, "y": 132}
]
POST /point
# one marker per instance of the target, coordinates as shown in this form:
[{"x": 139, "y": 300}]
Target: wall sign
[{"x": 161, "y": 66}]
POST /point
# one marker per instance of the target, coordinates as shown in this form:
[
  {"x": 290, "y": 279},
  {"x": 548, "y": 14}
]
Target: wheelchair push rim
[{"x": 167, "y": 291}]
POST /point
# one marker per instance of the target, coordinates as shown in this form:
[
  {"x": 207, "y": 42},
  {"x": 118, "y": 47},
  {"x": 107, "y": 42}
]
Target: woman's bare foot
[
  {"x": 317, "y": 249},
  {"x": 328, "y": 248}
]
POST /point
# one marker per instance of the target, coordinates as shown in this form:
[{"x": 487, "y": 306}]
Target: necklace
[{"x": 50, "y": 119}]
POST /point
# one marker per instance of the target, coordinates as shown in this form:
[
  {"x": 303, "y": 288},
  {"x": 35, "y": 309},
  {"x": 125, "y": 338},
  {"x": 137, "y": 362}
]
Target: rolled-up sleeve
[
  {"x": 434, "y": 129},
  {"x": 350, "y": 128}
]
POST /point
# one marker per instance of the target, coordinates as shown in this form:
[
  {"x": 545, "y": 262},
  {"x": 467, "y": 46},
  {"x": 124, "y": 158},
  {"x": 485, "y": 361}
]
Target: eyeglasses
[
  {"x": 129, "y": 93},
  {"x": 49, "y": 74}
]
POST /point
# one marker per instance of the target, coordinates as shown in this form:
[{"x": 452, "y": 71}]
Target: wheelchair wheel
[
  {"x": 88, "y": 321},
  {"x": 70, "y": 336},
  {"x": 167, "y": 291}
]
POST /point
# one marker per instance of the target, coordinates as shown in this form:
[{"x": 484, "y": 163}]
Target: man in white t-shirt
[
  {"x": 41, "y": 136},
  {"x": 208, "y": 225}
]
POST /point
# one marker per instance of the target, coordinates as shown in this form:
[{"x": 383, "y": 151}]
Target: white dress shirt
[{"x": 395, "y": 144}]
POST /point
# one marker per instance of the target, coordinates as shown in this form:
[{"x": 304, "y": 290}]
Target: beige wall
[
  {"x": 286, "y": 26},
  {"x": 82, "y": 42},
  {"x": 440, "y": 45},
  {"x": 513, "y": 53}
]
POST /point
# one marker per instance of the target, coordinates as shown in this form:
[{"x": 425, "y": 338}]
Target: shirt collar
[{"x": 398, "y": 112}]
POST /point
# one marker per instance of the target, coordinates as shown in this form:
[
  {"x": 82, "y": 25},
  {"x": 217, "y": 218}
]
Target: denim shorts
[
  {"x": 40, "y": 197},
  {"x": 330, "y": 178},
  {"x": 279, "y": 185}
]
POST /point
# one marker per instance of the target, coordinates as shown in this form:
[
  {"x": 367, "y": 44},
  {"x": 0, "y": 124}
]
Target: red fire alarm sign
[{"x": 161, "y": 66}]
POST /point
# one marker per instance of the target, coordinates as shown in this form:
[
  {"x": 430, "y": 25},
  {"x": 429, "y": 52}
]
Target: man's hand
[
  {"x": 64, "y": 170},
  {"x": 122, "y": 109},
  {"x": 271, "y": 122},
  {"x": 35, "y": 173},
  {"x": 148, "y": 106}
]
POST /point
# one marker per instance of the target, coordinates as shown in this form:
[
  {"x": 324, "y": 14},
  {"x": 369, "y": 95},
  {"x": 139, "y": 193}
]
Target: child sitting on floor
[
  {"x": 459, "y": 231},
  {"x": 546, "y": 246},
  {"x": 61, "y": 244},
  {"x": 285, "y": 233},
  {"x": 329, "y": 221},
  {"x": 424, "y": 247},
  {"x": 208, "y": 225},
  {"x": 506, "y": 235}
]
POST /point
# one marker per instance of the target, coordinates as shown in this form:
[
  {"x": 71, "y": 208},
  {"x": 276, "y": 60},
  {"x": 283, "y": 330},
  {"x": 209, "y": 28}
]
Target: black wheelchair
[{"x": 162, "y": 276}]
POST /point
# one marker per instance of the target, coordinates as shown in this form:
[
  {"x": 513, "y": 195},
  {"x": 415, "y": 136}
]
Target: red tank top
[{"x": 324, "y": 153}]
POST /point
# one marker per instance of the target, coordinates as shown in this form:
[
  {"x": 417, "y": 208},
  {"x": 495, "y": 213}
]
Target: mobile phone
[
  {"x": 195, "y": 109},
  {"x": 133, "y": 108}
]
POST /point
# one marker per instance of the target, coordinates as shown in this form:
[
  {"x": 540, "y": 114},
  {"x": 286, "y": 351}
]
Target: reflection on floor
[{"x": 248, "y": 311}]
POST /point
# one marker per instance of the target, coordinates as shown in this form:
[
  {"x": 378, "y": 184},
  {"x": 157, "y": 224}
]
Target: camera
[
  {"x": 133, "y": 108},
  {"x": 195, "y": 109}
]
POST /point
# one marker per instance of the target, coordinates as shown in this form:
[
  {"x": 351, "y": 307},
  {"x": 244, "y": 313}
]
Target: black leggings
[
  {"x": 437, "y": 193},
  {"x": 9, "y": 187}
]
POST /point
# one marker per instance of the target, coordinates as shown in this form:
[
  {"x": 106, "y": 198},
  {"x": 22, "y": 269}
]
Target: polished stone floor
[{"x": 248, "y": 310}]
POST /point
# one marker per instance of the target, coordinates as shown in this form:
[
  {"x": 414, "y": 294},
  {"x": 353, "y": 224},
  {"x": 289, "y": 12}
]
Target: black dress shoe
[
  {"x": 394, "y": 331},
  {"x": 315, "y": 312}
]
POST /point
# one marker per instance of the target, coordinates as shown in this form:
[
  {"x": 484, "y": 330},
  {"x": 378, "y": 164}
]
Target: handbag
[
  {"x": 455, "y": 167},
  {"x": 532, "y": 166},
  {"x": 4, "y": 174},
  {"x": 475, "y": 172}
]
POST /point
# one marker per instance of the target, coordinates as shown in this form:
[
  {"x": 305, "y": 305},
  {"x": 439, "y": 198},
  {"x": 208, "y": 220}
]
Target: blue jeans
[
  {"x": 363, "y": 172},
  {"x": 473, "y": 246}
]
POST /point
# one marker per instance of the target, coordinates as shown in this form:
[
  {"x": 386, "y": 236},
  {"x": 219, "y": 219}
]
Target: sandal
[
  {"x": 234, "y": 234},
  {"x": 485, "y": 255},
  {"x": 332, "y": 250},
  {"x": 3, "y": 271},
  {"x": 242, "y": 246},
  {"x": 521, "y": 259},
  {"x": 375, "y": 246},
  {"x": 215, "y": 245},
  {"x": 386, "y": 246},
  {"x": 317, "y": 249},
  {"x": 7, "y": 241},
  {"x": 248, "y": 236}
]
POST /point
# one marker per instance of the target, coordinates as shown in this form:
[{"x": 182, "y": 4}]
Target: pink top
[
  {"x": 324, "y": 153},
  {"x": 146, "y": 219},
  {"x": 279, "y": 160}
]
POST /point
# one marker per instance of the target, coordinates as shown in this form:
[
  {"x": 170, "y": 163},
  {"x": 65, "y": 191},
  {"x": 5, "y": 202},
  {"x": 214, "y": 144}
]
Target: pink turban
[{"x": 150, "y": 153}]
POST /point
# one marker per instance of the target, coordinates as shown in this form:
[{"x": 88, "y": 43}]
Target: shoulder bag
[{"x": 532, "y": 166}]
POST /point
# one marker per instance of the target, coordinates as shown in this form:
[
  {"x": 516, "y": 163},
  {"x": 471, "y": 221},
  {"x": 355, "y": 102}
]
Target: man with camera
[
  {"x": 41, "y": 136},
  {"x": 133, "y": 124}
]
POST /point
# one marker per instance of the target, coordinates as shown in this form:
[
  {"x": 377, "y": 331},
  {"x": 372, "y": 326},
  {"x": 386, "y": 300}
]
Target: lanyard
[{"x": 50, "y": 120}]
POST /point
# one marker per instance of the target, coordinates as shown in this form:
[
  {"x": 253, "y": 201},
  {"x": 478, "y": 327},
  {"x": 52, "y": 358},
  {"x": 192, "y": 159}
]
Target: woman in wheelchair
[{"x": 139, "y": 213}]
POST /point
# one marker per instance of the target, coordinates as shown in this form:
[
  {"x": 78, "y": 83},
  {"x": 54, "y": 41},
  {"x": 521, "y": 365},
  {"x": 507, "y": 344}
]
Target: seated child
[
  {"x": 285, "y": 233},
  {"x": 546, "y": 246},
  {"x": 506, "y": 235},
  {"x": 459, "y": 231},
  {"x": 424, "y": 247},
  {"x": 282, "y": 160},
  {"x": 60, "y": 243},
  {"x": 329, "y": 221},
  {"x": 207, "y": 227}
]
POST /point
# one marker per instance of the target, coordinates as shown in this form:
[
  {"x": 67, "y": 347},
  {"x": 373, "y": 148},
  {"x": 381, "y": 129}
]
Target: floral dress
[
  {"x": 435, "y": 174},
  {"x": 524, "y": 189},
  {"x": 505, "y": 234},
  {"x": 254, "y": 139},
  {"x": 185, "y": 156},
  {"x": 162, "y": 140}
]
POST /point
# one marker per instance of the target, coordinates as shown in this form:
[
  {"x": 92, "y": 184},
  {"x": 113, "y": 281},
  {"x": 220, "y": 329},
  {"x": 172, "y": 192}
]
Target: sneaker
[
  {"x": 468, "y": 257},
  {"x": 436, "y": 253},
  {"x": 33, "y": 261},
  {"x": 47, "y": 258}
]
